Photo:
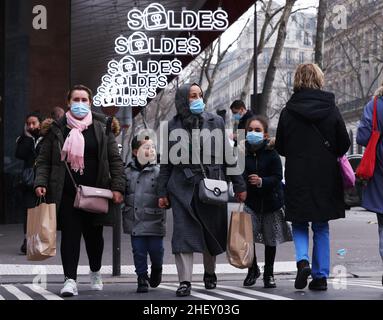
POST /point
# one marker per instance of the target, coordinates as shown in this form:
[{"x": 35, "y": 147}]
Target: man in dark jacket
[
  {"x": 27, "y": 149},
  {"x": 240, "y": 117},
  {"x": 311, "y": 134}
]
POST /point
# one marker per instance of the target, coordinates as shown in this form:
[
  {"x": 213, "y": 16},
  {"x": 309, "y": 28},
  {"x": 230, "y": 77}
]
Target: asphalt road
[{"x": 360, "y": 266}]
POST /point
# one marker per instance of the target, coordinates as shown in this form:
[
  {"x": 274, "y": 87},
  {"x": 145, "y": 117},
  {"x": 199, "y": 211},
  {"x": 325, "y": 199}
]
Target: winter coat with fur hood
[{"x": 50, "y": 170}]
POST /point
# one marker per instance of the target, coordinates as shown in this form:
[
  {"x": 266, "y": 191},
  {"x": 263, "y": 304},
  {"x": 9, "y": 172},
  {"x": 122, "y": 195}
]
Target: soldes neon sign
[{"x": 129, "y": 81}]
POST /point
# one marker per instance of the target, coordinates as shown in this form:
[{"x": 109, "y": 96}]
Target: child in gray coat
[{"x": 142, "y": 219}]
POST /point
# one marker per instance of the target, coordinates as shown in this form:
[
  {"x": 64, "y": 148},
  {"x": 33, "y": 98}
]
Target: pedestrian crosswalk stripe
[
  {"x": 255, "y": 293},
  {"x": 1, "y": 297},
  {"x": 170, "y": 269},
  {"x": 16, "y": 292},
  {"x": 227, "y": 294},
  {"x": 353, "y": 283},
  {"x": 41, "y": 291},
  {"x": 193, "y": 293},
  {"x": 377, "y": 283}
]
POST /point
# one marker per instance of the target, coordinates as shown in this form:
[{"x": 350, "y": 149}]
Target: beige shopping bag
[
  {"x": 41, "y": 232},
  {"x": 240, "y": 246}
]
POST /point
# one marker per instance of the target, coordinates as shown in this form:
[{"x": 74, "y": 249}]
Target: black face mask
[{"x": 34, "y": 132}]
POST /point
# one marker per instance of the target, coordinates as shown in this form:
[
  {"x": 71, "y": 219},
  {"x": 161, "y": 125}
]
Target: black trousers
[{"x": 75, "y": 223}]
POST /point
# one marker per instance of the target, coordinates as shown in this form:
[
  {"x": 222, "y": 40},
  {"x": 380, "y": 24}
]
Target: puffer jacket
[{"x": 141, "y": 214}]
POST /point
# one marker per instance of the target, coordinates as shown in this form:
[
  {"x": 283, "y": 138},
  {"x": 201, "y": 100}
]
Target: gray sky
[{"x": 232, "y": 33}]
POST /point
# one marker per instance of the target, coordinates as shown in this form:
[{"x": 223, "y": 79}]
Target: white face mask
[{"x": 147, "y": 154}]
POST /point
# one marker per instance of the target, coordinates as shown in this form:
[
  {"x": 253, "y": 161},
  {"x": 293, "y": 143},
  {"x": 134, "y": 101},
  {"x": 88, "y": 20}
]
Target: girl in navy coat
[{"x": 263, "y": 173}]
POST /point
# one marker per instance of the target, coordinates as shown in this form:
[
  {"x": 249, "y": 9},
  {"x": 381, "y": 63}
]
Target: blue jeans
[
  {"x": 380, "y": 226},
  {"x": 144, "y": 245},
  {"x": 321, "y": 248}
]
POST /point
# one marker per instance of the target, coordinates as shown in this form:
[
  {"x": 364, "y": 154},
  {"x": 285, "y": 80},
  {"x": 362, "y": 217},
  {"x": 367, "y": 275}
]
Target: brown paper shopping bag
[
  {"x": 240, "y": 246},
  {"x": 41, "y": 232}
]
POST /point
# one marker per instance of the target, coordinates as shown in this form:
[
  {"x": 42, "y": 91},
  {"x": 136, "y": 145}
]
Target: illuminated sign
[{"x": 129, "y": 81}]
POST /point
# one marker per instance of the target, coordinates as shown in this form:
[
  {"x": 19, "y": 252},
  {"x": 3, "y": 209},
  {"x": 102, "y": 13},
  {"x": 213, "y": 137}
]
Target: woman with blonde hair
[{"x": 311, "y": 134}]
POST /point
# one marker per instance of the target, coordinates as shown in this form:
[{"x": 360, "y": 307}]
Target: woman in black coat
[
  {"x": 27, "y": 148},
  {"x": 81, "y": 138},
  {"x": 311, "y": 135},
  {"x": 263, "y": 174}
]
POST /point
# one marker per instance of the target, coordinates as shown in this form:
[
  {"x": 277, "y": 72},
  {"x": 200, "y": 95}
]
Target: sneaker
[
  {"x": 184, "y": 289},
  {"x": 96, "y": 281},
  {"x": 69, "y": 289}
]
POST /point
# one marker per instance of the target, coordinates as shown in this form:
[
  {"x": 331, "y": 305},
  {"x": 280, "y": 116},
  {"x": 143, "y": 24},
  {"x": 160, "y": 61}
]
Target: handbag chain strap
[
  {"x": 67, "y": 167},
  {"x": 199, "y": 160}
]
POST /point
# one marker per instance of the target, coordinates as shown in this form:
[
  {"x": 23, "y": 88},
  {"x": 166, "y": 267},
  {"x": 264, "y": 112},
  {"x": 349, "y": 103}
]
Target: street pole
[
  {"x": 117, "y": 243},
  {"x": 255, "y": 78},
  {"x": 117, "y": 220}
]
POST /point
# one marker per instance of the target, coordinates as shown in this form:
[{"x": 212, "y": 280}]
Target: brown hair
[
  {"x": 308, "y": 75},
  {"x": 263, "y": 120},
  {"x": 81, "y": 88}
]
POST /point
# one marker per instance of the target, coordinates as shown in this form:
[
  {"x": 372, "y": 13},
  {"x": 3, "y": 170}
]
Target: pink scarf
[{"x": 73, "y": 149}]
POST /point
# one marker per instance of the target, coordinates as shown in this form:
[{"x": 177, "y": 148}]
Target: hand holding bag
[
  {"x": 240, "y": 243},
  {"x": 41, "y": 231},
  {"x": 366, "y": 168}
]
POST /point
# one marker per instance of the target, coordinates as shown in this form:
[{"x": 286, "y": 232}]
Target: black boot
[
  {"x": 210, "y": 280},
  {"x": 23, "y": 247},
  {"x": 142, "y": 283},
  {"x": 319, "y": 284},
  {"x": 268, "y": 278},
  {"x": 252, "y": 275},
  {"x": 184, "y": 289},
  {"x": 303, "y": 273},
  {"x": 155, "y": 277}
]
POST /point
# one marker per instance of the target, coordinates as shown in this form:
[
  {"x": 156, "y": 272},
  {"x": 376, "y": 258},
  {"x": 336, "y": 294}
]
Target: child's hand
[
  {"x": 117, "y": 197},
  {"x": 163, "y": 202},
  {"x": 255, "y": 179}
]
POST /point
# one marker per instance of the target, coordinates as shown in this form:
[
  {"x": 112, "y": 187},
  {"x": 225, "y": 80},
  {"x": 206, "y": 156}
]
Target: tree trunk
[
  {"x": 322, "y": 9},
  {"x": 271, "y": 70}
]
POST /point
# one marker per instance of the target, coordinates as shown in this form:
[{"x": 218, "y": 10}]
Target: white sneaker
[
  {"x": 96, "y": 281},
  {"x": 69, "y": 289}
]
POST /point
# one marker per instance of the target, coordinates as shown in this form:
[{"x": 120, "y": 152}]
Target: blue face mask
[
  {"x": 237, "y": 116},
  {"x": 79, "y": 110},
  {"x": 197, "y": 106},
  {"x": 254, "y": 137}
]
